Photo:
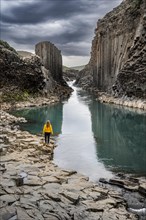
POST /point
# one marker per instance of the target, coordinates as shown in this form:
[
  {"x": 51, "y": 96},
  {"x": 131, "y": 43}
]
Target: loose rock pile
[{"x": 32, "y": 187}]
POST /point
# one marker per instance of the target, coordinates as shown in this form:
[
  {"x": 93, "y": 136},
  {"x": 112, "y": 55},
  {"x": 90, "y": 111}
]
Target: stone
[
  {"x": 35, "y": 214},
  {"x": 44, "y": 205},
  {"x": 7, "y": 182},
  {"x": 53, "y": 196},
  {"x": 142, "y": 188},
  {"x": 73, "y": 197},
  {"x": 33, "y": 182},
  {"x": 9, "y": 190},
  {"x": 7, "y": 212},
  {"x": 92, "y": 206},
  {"x": 9, "y": 198},
  {"x": 51, "y": 179},
  {"x": 52, "y": 187},
  {"x": 22, "y": 214}
]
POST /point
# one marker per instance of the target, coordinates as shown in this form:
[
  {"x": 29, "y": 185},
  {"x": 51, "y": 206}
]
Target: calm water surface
[{"x": 94, "y": 139}]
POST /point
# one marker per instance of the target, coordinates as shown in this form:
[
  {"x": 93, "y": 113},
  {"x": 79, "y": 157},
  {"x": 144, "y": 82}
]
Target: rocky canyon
[
  {"x": 23, "y": 74},
  {"x": 118, "y": 54}
]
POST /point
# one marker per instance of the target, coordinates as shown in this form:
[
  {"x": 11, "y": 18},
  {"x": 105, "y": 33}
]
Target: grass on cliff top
[
  {"x": 65, "y": 68},
  {"x": 7, "y": 46}
]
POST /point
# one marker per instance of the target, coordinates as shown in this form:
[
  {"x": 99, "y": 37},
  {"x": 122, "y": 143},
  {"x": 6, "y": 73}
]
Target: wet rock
[
  {"x": 124, "y": 183},
  {"x": 69, "y": 173}
]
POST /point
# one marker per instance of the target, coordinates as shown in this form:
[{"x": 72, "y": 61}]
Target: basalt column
[
  {"x": 51, "y": 58},
  {"x": 118, "y": 54}
]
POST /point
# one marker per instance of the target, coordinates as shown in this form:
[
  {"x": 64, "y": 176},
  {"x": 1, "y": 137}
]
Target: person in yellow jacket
[{"x": 47, "y": 131}]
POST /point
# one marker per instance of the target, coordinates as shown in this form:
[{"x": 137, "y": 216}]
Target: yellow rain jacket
[{"x": 48, "y": 129}]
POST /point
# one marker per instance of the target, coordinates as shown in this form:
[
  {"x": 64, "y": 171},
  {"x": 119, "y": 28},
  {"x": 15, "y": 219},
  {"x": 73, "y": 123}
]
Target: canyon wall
[
  {"x": 51, "y": 58},
  {"x": 18, "y": 73},
  {"x": 118, "y": 53},
  {"x": 23, "y": 74}
]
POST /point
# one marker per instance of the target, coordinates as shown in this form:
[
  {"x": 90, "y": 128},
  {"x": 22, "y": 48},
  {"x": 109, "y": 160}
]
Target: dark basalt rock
[{"x": 118, "y": 54}]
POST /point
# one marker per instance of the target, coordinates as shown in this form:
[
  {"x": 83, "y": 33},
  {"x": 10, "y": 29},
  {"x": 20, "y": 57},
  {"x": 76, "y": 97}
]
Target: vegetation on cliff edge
[{"x": 7, "y": 46}]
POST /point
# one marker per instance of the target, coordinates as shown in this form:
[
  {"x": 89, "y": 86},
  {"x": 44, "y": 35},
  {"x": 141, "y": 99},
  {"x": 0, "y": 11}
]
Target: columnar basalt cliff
[
  {"x": 23, "y": 74},
  {"x": 51, "y": 58},
  {"x": 118, "y": 54}
]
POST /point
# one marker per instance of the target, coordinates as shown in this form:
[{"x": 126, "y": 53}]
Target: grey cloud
[
  {"x": 21, "y": 21},
  {"x": 40, "y": 11}
]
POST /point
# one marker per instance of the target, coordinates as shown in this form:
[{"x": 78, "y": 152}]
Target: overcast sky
[{"x": 69, "y": 24}]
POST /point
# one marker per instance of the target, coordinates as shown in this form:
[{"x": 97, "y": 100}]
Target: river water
[{"x": 92, "y": 138}]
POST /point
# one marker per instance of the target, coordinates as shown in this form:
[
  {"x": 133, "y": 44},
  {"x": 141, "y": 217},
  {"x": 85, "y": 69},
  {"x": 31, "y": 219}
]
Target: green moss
[
  {"x": 6, "y": 45},
  {"x": 15, "y": 96}
]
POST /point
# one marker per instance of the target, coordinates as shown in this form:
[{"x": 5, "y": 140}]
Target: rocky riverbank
[
  {"x": 33, "y": 187},
  {"x": 30, "y": 102},
  {"x": 118, "y": 56},
  {"x": 124, "y": 101},
  {"x": 130, "y": 102}
]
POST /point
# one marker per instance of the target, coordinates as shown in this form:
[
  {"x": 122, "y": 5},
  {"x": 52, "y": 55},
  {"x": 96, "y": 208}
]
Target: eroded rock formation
[
  {"x": 118, "y": 54},
  {"x": 16, "y": 72},
  {"x": 51, "y": 58},
  {"x": 21, "y": 75}
]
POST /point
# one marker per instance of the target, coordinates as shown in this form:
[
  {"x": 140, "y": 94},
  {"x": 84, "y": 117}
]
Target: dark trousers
[{"x": 47, "y": 137}]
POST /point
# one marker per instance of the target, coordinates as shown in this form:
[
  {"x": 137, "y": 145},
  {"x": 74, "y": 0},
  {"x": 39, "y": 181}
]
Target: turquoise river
[{"x": 92, "y": 138}]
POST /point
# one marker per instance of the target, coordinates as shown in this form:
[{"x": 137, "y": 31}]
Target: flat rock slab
[
  {"x": 9, "y": 198},
  {"x": 22, "y": 214},
  {"x": 7, "y": 182},
  {"x": 7, "y": 212}
]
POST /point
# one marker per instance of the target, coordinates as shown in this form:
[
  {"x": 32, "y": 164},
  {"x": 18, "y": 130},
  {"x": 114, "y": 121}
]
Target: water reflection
[
  {"x": 76, "y": 145},
  {"x": 36, "y": 118},
  {"x": 120, "y": 137},
  {"x": 94, "y": 139}
]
